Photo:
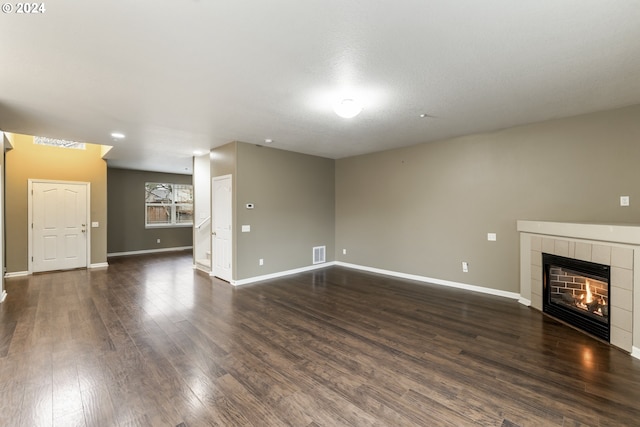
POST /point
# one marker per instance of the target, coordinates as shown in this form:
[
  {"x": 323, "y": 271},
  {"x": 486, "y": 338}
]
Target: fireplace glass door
[{"x": 577, "y": 292}]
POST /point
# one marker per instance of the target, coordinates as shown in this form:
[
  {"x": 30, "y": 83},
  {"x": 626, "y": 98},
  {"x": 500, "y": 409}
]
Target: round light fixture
[{"x": 348, "y": 108}]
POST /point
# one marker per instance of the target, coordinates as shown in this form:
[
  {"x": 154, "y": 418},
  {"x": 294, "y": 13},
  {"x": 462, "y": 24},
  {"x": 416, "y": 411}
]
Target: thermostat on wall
[{"x": 249, "y": 205}]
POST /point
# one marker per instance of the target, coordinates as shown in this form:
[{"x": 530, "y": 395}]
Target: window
[{"x": 168, "y": 205}]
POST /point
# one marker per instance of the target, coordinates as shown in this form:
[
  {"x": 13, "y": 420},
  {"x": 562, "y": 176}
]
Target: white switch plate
[
  {"x": 95, "y": 224},
  {"x": 261, "y": 261},
  {"x": 491, "y": 237},
  {"x": 624, "y": 200},
  {"x": 344, "y": 252},
  {"x": 246, "y": 228},
  {"x": 465, "y": 267}
]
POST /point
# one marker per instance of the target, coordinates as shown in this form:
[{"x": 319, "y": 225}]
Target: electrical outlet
[
  {"x": 624, "y": 200},
  {"x": 158, "y": 241},
  {"x": 261, "y": 262},
  {"x": 344, "y": 252},
  {"x": 465, "y": 267},
  {"x": 491, "y": 237}
]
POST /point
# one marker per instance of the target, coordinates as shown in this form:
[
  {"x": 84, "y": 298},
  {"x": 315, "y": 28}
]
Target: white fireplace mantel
[
  {"x": 617, "y": 245},
  {"x": 616, "y": 233}
]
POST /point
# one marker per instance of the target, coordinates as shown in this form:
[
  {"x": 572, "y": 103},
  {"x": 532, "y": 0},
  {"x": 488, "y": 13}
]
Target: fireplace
[{"x": 577, "y": 292}]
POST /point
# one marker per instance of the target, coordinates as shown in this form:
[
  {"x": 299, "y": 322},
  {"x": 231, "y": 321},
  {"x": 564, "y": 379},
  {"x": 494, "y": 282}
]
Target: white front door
[
  {"x": 59, "y": 226},
  {"x": 221, "y": 220}
]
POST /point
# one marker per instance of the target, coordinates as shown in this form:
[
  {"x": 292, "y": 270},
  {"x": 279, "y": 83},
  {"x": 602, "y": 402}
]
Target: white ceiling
[{"x": 182, "y": 75}]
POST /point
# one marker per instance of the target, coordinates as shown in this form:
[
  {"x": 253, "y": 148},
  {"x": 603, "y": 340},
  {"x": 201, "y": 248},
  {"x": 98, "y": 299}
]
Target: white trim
[
  {"x": 481, "y": 289},
  {"x": 474, "y": 288},
  {"x": 99, "y": 265},
  {"x": 182, "y": 225},
  {"x": 600, "y": 232},
  {"x": 635, "y": 352},
  {"x": 3, "y": 296},
  {"x": 524, "y": 301},
  {"x": 201, "y": 267},
  {"x": 150, "y": 251},
  {"x": 16, "y": 274},
  {"x": 279, "y": 274}
]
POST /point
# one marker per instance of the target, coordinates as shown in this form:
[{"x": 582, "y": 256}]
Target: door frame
[
  {"x": 213, "y": 226},
  {"x": 30, "y": 216}
]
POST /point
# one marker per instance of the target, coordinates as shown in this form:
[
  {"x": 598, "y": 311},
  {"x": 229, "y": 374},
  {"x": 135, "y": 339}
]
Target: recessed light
[
  {"x": 117, "y": 135},
  {"x": 347, "y": 108}
]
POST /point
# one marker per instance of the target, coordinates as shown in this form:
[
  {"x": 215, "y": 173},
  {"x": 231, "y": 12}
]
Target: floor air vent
[{"x": 319, "y": 254}]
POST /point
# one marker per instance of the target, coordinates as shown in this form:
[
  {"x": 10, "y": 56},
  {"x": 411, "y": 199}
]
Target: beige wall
[
  {"x": 294, "y": 197},
  {"x": 127, "y": 231},
  {"x": 424, "y": 209},
  {"x": 29, "y": 161},
  {"x": 223, "y": 162}
]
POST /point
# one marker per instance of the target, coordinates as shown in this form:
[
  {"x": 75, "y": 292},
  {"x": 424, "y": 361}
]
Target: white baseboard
[
  {"x": 200, "y": 267},
  {"x": 16, "y": 274},
  {"x": 481, "y": 289},
  {"x": 149, "y": 251},
  {"x": 474, "y": 288},
  {"x": 280, "y": 274},
  {"x": 99, "y": 265},
  {"x": 3, "y": 296},
  {"x": 524, "y": 301},
  {"x": 635, "y": 352}
]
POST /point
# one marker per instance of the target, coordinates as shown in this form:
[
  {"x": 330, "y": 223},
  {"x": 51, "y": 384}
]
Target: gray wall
[
  {"x": 223, "y": 162},
  {"x": 125, "y": 213},
  {"x": 424, "y": 209},
  {"x": 294, "y": 196}
]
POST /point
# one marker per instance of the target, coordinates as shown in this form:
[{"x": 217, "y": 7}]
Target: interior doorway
[{"x": 222, "y": 227}]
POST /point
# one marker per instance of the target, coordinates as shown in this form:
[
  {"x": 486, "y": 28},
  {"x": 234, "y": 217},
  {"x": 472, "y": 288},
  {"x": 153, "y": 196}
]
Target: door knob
[{"x": 214, "y": 233}]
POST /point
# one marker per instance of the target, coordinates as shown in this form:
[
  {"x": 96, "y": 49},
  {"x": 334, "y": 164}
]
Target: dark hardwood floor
[{"x": 151, "y": 342}]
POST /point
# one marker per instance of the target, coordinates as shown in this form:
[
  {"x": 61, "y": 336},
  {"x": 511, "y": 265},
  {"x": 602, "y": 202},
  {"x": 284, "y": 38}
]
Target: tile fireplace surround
[{"x": 615, "y": 245}]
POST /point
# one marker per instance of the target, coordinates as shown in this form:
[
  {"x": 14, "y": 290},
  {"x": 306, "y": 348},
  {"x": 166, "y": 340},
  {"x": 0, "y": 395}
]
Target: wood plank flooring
[{"x": 151, "y": 342}]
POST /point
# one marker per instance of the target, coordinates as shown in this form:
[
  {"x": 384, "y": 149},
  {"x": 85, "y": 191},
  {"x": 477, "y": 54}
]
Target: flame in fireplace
[{"x": 589, "y": 294}]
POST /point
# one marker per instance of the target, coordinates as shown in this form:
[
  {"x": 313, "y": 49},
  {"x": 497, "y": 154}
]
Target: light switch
[
  {"x": 246, "y": 228},
  {"x": 95, "y": 224},
  {"x": 624, "y": 200},
  {"x": 491, "y": 237}
]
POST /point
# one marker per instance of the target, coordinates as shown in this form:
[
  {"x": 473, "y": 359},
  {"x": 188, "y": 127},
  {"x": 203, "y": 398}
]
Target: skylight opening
[{"x": 61, "y": 143}]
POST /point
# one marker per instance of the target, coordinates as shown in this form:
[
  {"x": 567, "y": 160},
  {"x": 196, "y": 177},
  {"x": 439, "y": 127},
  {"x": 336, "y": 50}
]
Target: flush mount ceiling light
[
  {"x": 347, "y": 108},
  {"x": 117, "y": 135}
]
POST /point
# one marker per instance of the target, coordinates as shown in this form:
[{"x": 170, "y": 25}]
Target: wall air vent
[{"x": 319, "y": 254}]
